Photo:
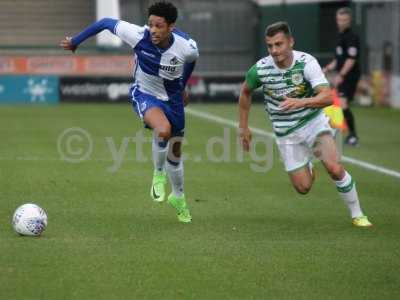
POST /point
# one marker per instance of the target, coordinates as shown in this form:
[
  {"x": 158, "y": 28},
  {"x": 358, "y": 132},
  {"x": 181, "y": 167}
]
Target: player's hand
[
  {"x": 289, "y": 104},
  {"x": 66, "y": 43},
  {"x": 338, "y": 80},
  {"x": 185, "y": 96},
  {"x": 245, "y": 138}
]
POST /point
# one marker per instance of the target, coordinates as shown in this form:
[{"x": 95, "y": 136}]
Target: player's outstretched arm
[
  {"x": 67, "y": 45},
  {"x": 244, "y": 109},
  {"x": 72, "y": 44}
]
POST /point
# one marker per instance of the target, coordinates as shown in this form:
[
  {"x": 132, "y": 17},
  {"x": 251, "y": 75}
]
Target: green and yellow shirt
[{"x": 298, "y": 81}]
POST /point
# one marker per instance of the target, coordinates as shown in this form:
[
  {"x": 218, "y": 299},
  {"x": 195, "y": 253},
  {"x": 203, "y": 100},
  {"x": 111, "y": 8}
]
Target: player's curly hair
[{"x": 164, "y": 9}]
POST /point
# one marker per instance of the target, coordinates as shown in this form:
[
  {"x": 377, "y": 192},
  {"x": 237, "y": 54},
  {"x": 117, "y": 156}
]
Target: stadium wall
[{"x": 229, "y": 34}]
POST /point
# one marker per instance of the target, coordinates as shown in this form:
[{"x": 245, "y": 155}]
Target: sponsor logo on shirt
[
  {"x": 172, "y": 67},
  {"x": 148, "y": 54},
  {"x": 168, "y": 68}
]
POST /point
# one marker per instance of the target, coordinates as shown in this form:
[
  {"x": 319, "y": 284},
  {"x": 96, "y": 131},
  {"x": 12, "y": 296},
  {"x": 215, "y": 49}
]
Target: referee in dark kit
[{"x": 346, "y": 64}]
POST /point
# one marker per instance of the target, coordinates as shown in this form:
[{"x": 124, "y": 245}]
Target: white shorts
[{"x": 296, "y": 148}]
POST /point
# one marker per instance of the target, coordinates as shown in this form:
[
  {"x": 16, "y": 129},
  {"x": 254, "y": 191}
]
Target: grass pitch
[{"x": 252, "y": 236}]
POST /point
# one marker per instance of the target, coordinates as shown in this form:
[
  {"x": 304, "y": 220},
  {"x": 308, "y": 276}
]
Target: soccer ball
[{"x": 29, "y": 219}]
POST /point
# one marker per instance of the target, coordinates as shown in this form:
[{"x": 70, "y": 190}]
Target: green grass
[{"x": 252, "y": 236}]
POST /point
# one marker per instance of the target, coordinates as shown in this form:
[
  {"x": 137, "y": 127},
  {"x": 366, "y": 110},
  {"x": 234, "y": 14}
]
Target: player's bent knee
[
  {"x": 302, "y": 188},
  {"x": 163, "y": 132},
  {"x": 335, "y": 171}
]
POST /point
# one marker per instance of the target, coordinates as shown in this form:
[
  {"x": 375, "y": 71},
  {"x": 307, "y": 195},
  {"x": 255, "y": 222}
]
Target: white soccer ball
[{"x": 29, "y": 219}]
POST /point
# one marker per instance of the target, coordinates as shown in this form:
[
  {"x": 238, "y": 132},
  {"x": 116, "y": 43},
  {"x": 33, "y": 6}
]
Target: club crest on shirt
[
  {"x": 173, "y": 61},
  {"x": 297, "y": 78}
]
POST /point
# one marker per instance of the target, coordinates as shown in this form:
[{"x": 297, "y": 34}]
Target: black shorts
[{"x": 348, "y": 88}]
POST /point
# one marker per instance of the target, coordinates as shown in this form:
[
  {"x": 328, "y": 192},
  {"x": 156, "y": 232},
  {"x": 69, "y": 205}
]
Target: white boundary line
[{"x": 354, "y": 161}]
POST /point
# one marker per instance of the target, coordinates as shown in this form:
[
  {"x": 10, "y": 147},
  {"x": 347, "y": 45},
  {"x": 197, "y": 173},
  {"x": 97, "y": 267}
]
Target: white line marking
[{"x": 354, "y": 161}]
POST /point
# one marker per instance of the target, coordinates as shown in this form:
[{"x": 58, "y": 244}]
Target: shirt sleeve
[
  {"x": 129, "y": 33},
  {"x": 187, "y": 71},
  {"x": 314, "y": 75},
  {"x": 93, "y": 29},
  {"x": 352, "y": 46},
  {"x": 193, "y": 52},
  {"x": 252, "y": 79}
]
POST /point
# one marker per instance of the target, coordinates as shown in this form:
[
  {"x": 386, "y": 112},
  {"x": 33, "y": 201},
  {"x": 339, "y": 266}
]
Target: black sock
[{"x": 348, "y": 115}]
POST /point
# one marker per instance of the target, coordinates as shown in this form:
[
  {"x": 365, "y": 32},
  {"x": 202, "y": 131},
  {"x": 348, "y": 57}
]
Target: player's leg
[
  {"x": 175, "y": 166},
  {"x": 325, "y": 149},
  {"x": 150, "y": 111},
  {"x": 302, "y": 179},
  {"x": 346, "y": 92},
  {"x": 296, "y": 158},
  {"x": 174, "y": 111},
  {"x": 352, "y": 138},
  {"x": 155, "y": 118},
  {"x": 175, "y": 173}
]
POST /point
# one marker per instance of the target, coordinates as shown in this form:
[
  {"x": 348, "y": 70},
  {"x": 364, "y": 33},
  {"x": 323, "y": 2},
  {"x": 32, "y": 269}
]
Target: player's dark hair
[
  {"x": 277, "y": 27},
  {"x": 163, "y": 9},
  {"x": 344, "y": 11}
]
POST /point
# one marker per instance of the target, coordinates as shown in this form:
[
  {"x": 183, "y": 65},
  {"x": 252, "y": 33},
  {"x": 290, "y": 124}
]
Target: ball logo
[{"x": 339, "y": 50}]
